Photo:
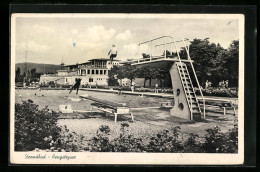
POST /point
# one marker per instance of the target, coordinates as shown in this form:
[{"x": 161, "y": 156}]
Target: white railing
[{"x": 188, "y": 54}]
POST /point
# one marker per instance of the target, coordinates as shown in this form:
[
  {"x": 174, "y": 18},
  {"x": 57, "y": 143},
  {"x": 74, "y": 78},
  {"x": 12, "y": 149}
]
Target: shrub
[
  {"x": 166, "y": 141},
  {"x": 217, "y": 142},
  {"x": 100, "y": 142},
  {"x": 193, "y": 144},
  {"x": 218, "y": 92},
  {"x": 32, "y": 125},
  {"x": 67, "y": 141},
  {"x": 126, "y": 142}
]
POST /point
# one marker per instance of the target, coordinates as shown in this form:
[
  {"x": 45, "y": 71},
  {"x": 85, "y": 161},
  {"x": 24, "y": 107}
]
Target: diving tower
[{"x": 186, "y": 104}]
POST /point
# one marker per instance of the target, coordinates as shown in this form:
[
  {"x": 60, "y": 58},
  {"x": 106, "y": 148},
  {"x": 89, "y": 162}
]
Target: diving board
[
  {"x": 110, "y": 107},
  {"x": 185, "y": 104}
]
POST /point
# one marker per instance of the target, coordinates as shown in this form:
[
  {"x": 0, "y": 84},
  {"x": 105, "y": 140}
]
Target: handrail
[
  {"x": 186, "y": 39},
  {"x": 152, "y": 40},
  {"x": 195, "y": 78},
  {"x": 185, "y": 81},
  {"x": 156, "y": 39}
]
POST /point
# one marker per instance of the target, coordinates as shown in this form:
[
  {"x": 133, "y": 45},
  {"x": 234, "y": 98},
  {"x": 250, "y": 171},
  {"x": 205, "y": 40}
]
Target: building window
[
  {"x": 88, "y": 71},
  {"x": 93, "y": 71},
  {"x": 90, "y": 80},
  {"x": 105, "y": 72},
  {"x": 97, "y": 72},
  {"x": 83, "y": 72},
  {"x": 101, "y": 72}
]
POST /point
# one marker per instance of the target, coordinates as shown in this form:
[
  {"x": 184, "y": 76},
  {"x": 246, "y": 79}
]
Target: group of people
[{"x": 223, "y": 84}]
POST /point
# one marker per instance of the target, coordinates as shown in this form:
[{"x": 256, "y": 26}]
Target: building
[{"x": 93, "y": 72}]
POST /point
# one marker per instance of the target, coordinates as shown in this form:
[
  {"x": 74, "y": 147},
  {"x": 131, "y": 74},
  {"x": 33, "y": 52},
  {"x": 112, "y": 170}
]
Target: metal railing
[{"x": 188, "y": 54}]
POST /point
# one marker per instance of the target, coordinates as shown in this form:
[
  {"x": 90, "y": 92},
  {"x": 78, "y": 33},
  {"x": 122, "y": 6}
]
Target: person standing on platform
[{"x": 112, "y": 53}]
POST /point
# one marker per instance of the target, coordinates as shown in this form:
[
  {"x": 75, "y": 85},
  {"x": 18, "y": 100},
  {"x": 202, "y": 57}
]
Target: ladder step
[
  {"x": 190, "y": 92},
  {"x": 183, "y": 70},
  {"x": 186, "y": 76},
  {"x": 193, "y": 101}
]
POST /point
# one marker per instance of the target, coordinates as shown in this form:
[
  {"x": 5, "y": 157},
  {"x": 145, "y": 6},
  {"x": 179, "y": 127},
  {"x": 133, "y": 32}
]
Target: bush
[
  {"x": 126, "y": 142},
  {"x": 36, "y": 129},
  {"x": 67, "y": 141},
  {"x": 100, "y": 142},
  {"x": 32, "y": 125},
  {"x": 218, "y": 92},
  {"x": 217, "y": 142},
  {"x": 166, "y": 141}
]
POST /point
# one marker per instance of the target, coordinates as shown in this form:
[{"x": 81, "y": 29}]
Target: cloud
[
  {"x": 42, "y": 28},
  {"x": 124, "y": 36},
  {"x": 33, "y": 46},
  {"x": 99, "y": 33},
  {"x": 129, "y": 51},
  {"x": 74, "y": 31}
]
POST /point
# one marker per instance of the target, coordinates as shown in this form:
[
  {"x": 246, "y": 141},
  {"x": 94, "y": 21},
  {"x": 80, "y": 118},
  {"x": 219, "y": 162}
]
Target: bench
[
  {"x": 225, "y": 105},
  {"x": 110, "y": 107}
]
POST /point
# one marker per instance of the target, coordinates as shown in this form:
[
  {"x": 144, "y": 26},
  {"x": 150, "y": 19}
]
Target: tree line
[
  {"x": 212, "y": 62},
  {"x": 27, "y": 77}
]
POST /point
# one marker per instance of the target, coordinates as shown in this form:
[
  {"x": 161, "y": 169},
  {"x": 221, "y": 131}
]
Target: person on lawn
[{"x": 76, "y": 85}]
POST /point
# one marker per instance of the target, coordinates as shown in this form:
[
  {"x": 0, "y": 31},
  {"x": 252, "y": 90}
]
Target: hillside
[{"x": 40, "y": 68}]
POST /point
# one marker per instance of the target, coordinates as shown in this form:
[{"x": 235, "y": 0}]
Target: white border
[{"x": 134, "y": 158}]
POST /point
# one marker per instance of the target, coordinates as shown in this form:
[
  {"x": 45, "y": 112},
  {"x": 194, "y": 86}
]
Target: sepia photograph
[{"x": 127, "y": 88}]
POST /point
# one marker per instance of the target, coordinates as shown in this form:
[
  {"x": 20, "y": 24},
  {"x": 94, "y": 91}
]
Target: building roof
[
  {"x": 104, "y": 59},
  {"x": 71, "y": 65}
]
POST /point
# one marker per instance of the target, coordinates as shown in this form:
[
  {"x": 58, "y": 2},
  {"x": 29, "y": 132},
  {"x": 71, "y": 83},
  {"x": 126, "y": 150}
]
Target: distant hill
[{"x": 40, "y": 68}]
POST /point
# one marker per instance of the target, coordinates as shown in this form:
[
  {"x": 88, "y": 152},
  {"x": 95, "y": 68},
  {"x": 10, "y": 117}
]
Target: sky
[{"x": 50, "y": 39}]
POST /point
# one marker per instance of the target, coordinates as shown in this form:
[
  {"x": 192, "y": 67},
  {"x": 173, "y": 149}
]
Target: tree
[
  {"x": 147, "y": 74},
  {"x": 17, "y": 74},
  {"x": 204, "y": 55},
  {"x": 232, "y": 62},
  {"x": 161, "y": 74},
  {"x": 112, "y": 81},
  {"x": 128, "y": 71}
]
